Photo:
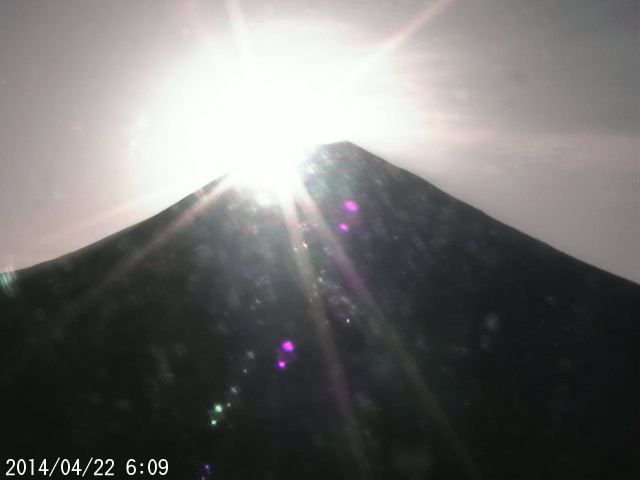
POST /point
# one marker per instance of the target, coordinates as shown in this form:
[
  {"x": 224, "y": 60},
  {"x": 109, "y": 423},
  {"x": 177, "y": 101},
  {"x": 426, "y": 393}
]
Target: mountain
[{"x": 373, "y": 328}]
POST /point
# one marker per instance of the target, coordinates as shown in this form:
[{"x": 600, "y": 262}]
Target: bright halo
[{"x": 253, "y": 104}]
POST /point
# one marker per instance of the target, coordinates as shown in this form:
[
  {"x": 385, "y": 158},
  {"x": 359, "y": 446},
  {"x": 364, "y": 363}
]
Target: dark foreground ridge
[{"x": 389, "y": 332}]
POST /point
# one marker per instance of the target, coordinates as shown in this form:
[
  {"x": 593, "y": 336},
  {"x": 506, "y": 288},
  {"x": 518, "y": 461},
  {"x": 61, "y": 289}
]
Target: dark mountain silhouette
[{"x": 425, "y": 340}]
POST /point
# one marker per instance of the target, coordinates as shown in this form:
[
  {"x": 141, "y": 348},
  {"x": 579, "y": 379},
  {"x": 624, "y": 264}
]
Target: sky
[{"x": 526, "y": 110}]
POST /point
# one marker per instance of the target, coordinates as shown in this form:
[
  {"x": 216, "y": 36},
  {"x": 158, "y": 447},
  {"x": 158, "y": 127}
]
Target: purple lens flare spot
[
  {"x": 351, "y": 206},
  {"x": 343, "y": 227},
  {"x": 288, "y": 346},
  {"x": 282, "y": 364}
]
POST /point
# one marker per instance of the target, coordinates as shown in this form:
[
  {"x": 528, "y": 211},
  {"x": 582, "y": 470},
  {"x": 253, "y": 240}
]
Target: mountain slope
[{"x": 429, "y": 341}]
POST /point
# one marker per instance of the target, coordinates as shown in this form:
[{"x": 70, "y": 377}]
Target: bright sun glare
[{"x": 250, "y": 105}]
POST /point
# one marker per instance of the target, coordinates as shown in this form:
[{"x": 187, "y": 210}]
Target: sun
[{"x": 252, "y": 106}]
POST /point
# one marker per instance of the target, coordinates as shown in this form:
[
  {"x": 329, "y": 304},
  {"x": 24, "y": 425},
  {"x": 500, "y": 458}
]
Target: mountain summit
[{"x": 370, "y": 327}]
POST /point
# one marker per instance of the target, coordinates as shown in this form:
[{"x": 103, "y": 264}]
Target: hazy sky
[{"x": 526, "y": 110}]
